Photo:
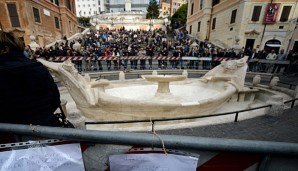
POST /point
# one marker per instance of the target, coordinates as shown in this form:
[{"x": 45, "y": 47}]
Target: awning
[{"x": 273, "y": 45}]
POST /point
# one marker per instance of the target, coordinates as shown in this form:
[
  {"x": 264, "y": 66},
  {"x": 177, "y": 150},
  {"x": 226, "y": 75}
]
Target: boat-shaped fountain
[{"x": 153, "y": 96}]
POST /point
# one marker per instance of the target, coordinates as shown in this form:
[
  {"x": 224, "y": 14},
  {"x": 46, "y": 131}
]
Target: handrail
[
  {"x": 146, "y": 139},
  {"x": 179, "y": 118},
  {"x": 289, "y": 84}
]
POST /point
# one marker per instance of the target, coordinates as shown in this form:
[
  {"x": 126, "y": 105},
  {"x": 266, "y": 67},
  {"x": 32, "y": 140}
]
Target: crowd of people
[{"x": 119, "y": 43}]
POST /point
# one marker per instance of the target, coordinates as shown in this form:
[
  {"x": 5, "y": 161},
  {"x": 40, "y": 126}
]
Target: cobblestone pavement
[{"x": 265, "y": 128}]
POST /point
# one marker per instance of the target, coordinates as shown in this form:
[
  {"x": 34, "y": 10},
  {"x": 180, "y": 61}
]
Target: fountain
[{"x": 154, "y": 96}]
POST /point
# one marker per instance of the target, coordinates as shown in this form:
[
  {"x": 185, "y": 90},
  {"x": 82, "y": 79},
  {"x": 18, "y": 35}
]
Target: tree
[
  {"x": 85, "y": 21},
  {"x": 180, "y": 17},
  {"x": 152, "y": 11}
]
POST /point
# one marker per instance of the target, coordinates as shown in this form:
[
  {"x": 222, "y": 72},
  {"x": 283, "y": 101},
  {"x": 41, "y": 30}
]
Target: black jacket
[{"x": 28, "y": 92}]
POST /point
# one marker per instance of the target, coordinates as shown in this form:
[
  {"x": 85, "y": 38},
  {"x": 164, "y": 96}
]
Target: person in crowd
[
  {"x": 192, "y": 53},
  {"x": 270, "y": 56},
  {"x": 28, "y": 52},
  {"x": 164, "y": 53},
  {"x": 253, "y": 61},
  {"x": 150, "y": 53},
  {"x": 280, "y": 57},
  {"x": 29, "y": 94},
  {"x": 108, "y": 54},
  {"x": 142, "y": 54}
]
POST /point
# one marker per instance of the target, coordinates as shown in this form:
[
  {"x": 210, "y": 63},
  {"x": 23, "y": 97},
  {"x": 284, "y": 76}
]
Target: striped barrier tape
[{"x": 105, "y": 58}]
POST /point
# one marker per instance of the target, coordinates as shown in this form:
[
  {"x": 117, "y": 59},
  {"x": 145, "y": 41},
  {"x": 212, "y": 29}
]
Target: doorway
[
  {"x": 249, "y": 44},
  {"x": 272, "y": 45}
]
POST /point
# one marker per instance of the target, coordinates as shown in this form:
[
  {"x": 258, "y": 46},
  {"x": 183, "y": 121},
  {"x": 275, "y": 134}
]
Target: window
[
  {"x": 285, "y": 13},
  {"x": 78, "y": 5},
  {"x": 233, "y": 16},
  {"x": 214, "y": 2},
  {"x": 98, "y": 2},
  {"x": 191, "y": 11},
  {"x": 69, "y": 23},
  {"x": 213, "y": 23},
  {"x": 13, "y": 15},
  {"x": 36, "y": 15},
  {"x": 179, "y": 4},
  {"x": 83, "y": 5},
  {"x": 57, "y": 24},
  {"x": 256, "y": 13},
  {"x": 164, "y": 8},
  {"x": 68, "y": 4},
  {"x": 56, "y": 2},
  {"x": 201, "y": 4},
  {"x": 199, "y": 26},
  {"x": 190, "y": 29}
]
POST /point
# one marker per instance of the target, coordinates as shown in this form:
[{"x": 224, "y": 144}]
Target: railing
[
  {"x": 147, "y": 140},
  {"x": 289, "y": 84},
  {"x": 292, "y": 102},
  {"x": 152, "y": 121}
]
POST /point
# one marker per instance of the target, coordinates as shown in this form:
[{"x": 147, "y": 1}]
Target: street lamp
[
  {"x": 151, "y": 23},
  {"x": 112, "y": 24}
]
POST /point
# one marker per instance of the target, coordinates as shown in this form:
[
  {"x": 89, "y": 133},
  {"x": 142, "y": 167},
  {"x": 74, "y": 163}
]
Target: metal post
[
  {"x": 152, "y": 126},
  {"x": 293, "y": 103},
  {"x": 236, "y": 117}
]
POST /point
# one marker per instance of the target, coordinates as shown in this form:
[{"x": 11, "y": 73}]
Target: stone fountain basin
[
  {"x": 137, "y": 100},
  {"x": 181, "y": 93}
]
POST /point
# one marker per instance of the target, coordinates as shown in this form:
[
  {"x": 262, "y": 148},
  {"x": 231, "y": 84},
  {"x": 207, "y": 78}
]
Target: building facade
[
  {"x": 47, "y": 20},
  {"x": 165, "y": 9},
  {"x": 169, "y": 7},
  {"x": 259, "y": 24},
  {"x": 87, "y": 8}
]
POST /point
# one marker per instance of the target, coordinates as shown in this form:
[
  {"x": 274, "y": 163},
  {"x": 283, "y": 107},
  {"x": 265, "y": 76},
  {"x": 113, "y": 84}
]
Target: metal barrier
[
  {"x": 180, "y": 118},
  {"x": 146, "y": 139},
  {"x": 160, "y": 62}
]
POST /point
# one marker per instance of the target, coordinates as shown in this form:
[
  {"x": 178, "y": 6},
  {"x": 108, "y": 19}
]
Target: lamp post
[
  {"x": 151, "y": 24},
  {"x": 112, "y": 24}
]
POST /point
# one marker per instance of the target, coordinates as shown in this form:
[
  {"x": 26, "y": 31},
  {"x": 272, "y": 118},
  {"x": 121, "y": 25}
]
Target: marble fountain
[{"x": 153, "y": 96}]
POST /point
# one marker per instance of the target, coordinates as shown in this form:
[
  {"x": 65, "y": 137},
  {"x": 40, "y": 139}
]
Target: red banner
[{"x": 271, "y": 13}]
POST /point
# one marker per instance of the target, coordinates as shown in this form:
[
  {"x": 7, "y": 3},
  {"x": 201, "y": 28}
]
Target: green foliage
[
  {"x": 180, "y": 16},
  {"x": 152, "y": 11},
  {"x": 85, "y": 21}
]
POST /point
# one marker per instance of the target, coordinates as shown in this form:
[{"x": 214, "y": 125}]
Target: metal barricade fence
[{"x": 97, "y": 63}]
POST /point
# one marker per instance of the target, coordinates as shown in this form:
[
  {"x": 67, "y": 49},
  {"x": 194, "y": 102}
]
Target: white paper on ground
[
  {"x": 50, "y": 158},
  {"x": 152, "y": 162}
]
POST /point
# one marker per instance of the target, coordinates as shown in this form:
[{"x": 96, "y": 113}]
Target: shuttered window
[
  {"x": 13, "y": 15},
  {"x": 214, "y": 2},
  {"x": 192, "y": 5},
  {"x": 199, "y": 26},
  {"x": 57, "y": 24},
  {"x": 285, "y": 13},
  {"x": 256, "y": 13},
  {"x": 213, "y": 23},
  {"x": 233, "y": 16},
  {"x": 36, "y": 15}
]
